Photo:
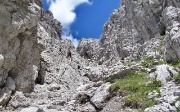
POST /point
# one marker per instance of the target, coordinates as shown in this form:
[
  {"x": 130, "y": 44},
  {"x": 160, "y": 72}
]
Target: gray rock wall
[
  {"x": 171, "y": 16},
  {"x": 131, "y": 28},
  {"x": 19, "y": 48}
]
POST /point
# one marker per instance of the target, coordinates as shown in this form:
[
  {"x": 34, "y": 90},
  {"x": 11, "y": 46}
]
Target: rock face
[
  {"x": 19, "y": 48},
  {"x": 37, "y": 75},
  {"x": 172, "y": 42},
  {"x": 137, "y": 28},
  {"x": 88, "y": 47}
]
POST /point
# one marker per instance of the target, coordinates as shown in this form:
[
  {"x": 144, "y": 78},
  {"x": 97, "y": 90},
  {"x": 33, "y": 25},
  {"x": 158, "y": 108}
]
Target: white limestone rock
[
  {"x": 152, "y": 94},
  {"x": 32, "y": 109},
  {"x": 177, "y": 105},
  {"x": 100, "y": 95},
  {"x": 172, "y": 42},
  {"x": 5, "y": 95},
  {"x": 18, "y": 42},
  {"x": 162, "y": 74},
  {"x": 18, "y": 101},
  {"x": 88, "y": 47},
  {"x": 164, "y": 107},
  {"x": 86, "y": 108},
  {"x": 1, "y": 60}
]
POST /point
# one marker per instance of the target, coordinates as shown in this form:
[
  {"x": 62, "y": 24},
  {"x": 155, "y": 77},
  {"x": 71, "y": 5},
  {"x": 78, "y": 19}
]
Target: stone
[
  {"x": 162, "y": 74},
  {"x": 177, "y": 93},
  {"x": 54, "y": 87},
  {"x": 170, "y": 16},
  {"x": 87, "y": 108},
  {"x": 32, "y": 109},
  {"x": 18, "y": 100},
  {"x": 88, "y": 47},
  {"x": 152, "y": 94},
  {"x": 1, "y": 60},
  {"x": 164, "y": 107},
  {"x": 177, "y": 105},
  {"x": 114, "y": 105},
  {"x": 5, "y": 95},
  {"x": 52, "y": 110},
  {"x": 10, "y": 84},
  {"x": 100, "y": 95}
]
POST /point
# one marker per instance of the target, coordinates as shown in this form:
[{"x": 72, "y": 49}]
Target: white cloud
[{"x": 63, "y": 10}]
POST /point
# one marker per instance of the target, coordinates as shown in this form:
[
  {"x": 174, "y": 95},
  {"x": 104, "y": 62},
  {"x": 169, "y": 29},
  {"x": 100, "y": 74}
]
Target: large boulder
[
  {"x": 5, "y": 95},
  {"x": 164, "y": 73},
  {"x": 10, "y": 84},
  {"x": 100, "y": 95},
  {"x": 32, "y": 109}
]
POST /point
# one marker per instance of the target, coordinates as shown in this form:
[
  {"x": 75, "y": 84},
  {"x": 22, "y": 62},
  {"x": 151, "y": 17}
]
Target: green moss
[{"x": 135, "y": 88}]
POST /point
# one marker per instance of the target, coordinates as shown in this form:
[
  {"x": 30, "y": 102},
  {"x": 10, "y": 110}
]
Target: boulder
[
  {"x": 177, "y": 105},
  {"x": 5, "y": 95},
  {"x": 164, "y": 107},
  {"x": 10, "y": 84},
  {"x": 32, "y": 109},
  {"x": 100, "y": 95},
  {"x": 1, "y": 60},
  {"x": 163, "y": 74}
]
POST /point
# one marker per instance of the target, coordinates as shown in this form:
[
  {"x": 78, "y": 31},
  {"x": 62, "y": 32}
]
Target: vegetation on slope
[{"x": 135, "y": 87}]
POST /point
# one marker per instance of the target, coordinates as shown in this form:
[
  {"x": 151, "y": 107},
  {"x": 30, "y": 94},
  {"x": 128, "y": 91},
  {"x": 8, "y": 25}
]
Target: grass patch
[
  {"x": 148, "y": 62},
  {"x": 116, "y": 77},
  {"x": 177, "y": 78},
  {"x": 158, "y": 48},
  {"x": 128, "y": 64},
  {"x": 135, "y": 89},
  {"x": 110, "y": 79},
  {"x": 176, "y": 64},
  {"x": 162, "y": 62}
]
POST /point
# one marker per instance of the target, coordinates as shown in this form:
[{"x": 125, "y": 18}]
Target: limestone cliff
[
  {"x": 131, "y": 28},
  {"x": 36, "y": 74},
  {"x": 19, "y": 46}
]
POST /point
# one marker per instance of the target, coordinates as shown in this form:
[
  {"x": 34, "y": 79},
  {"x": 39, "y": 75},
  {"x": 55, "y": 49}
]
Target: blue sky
[{"x": 81, "y": 18}]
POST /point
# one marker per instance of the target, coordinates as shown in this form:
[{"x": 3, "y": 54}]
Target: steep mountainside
[
  {"x": 130, "y": 28},
  {"x": 134, "y": 67}
]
